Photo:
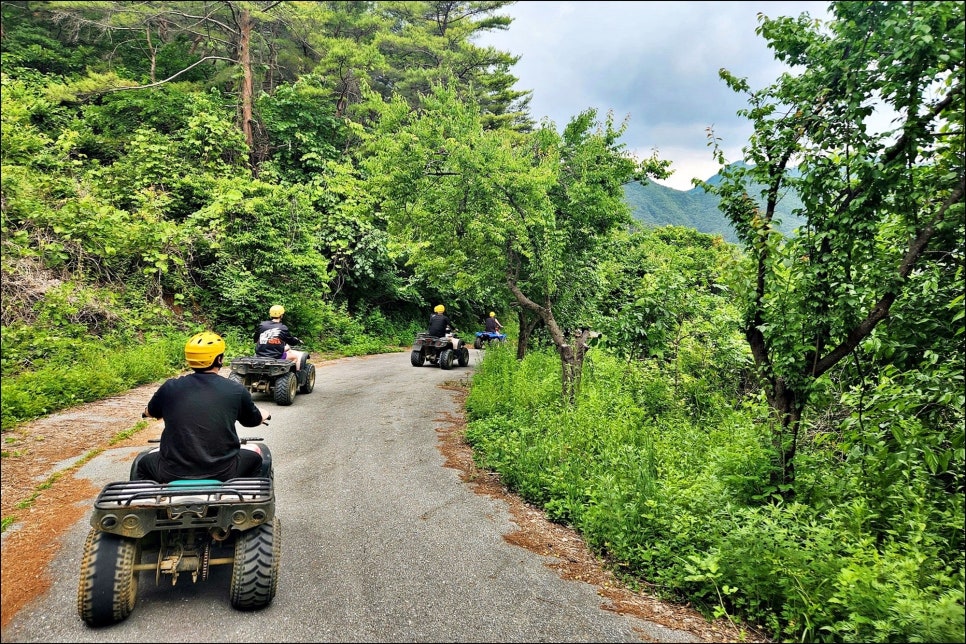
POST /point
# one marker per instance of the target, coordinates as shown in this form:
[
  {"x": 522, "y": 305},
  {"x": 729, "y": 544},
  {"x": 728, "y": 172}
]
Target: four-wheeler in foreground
[{"x": 178, "y": 530}]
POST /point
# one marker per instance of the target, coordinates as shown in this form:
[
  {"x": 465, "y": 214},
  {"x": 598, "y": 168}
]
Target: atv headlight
[
  {"x": 131, "y": 522},
  {"x": 108, "y": 522}
]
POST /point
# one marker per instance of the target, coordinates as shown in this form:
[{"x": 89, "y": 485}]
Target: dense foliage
[
  {"x": 670, "y": 486},
  {"x": 843, "y": 303},
  {"x": 772, "y": 430}
]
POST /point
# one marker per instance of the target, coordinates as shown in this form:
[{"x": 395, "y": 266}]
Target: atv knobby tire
[
  {"x": 286, "y": 386},
  {"x": 446, "y": 359},
  {"x": 417, "y": 358},
  {"x": 254, "y": 575},
  {"x": 463, "y": 356},
  {"x": 309, "y": 383},
  {"x": 478, "y": 343},
  {"x": 237, "y": 377},
  {"x": 108, "y": 584}
]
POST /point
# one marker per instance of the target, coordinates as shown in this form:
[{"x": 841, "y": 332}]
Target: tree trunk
[
  {"x": 569, "y": 367},
  {"x": 788, "y": 405},
  {"x": 247, "y": 88},
  {"x": 569, "y": 373},
  {"x": 527, "y": 325},
  {"x": 153, "y": 53},
  {"x": 582, "y": 346}
]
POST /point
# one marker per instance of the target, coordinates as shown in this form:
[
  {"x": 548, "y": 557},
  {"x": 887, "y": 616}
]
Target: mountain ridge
[{"x": 658, "y": 205}]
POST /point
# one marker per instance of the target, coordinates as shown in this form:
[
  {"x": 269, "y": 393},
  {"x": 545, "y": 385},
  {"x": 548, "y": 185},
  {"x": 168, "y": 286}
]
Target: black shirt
[
  {"x": 491, "y": 325},
  {"x": 199, "y": 411},
  {"x": 271, "y": 338},
  {"x": 438, "y": 325}
]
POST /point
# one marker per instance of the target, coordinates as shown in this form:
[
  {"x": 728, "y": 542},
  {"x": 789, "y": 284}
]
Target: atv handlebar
[
  {"x": 244, "y": 440},
  {"x": 264, "y": 422}
]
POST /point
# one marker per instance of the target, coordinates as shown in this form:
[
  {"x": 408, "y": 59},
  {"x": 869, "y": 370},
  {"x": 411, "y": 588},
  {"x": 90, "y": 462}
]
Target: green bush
[
  {"x": 675, "y": 495},
  {"x": 75, "y": 373}
]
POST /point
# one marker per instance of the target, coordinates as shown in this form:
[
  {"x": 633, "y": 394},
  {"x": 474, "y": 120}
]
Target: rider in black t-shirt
[
  {"x": 491, "y": 324},
  {"x": 199, "y": 440},
  {"x": 439, "y": 324},
  {"x": 274, "y": 340}
]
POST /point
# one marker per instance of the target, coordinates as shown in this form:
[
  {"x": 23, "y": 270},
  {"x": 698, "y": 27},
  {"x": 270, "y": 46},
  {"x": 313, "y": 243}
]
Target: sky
[{"x": 654, "y": 63}]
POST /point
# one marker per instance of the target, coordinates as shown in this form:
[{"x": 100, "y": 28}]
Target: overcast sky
[{"x": 654, "y": 62}]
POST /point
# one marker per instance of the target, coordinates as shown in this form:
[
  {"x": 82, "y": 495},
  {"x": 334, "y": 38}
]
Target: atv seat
[{"x": 190, "y": 482}]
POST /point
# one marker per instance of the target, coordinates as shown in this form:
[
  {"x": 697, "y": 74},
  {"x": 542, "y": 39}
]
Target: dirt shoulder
[{"x": 39, "y": 489}]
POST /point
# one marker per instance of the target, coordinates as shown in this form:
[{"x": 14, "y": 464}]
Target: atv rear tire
[
  {"x": 446, "y": 359},
  {"x": 417, "y": 358},
  {"x": 308, "y": 375},
  {"x": 478, "y": 343},
  {"x": 108, "y": 584},
  {"x": 237, "y": 377},
  {"x": 254, "y": 575},
  {"x": 463, "y": 356},
  {"x": 286, "y": 386}
]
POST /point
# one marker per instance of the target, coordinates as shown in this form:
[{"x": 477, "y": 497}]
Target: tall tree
[
  {"x": 883, "y": 208},
  {"x": 241, "y": 33},
  {"x": 428, "y": 42},
  {"x": 253, "y": 46},
  {"x": 483, "y": 206}
]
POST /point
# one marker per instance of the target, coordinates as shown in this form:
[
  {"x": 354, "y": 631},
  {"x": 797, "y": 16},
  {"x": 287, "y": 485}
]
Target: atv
[
  {"x": 180, "y": 528},
  {"x": 442, "y": 352},
  {"x": 278, "y": 378},
  {"x": 484, "y": 338}
]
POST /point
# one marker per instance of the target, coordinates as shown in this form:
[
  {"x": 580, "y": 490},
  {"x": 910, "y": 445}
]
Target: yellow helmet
[
  {"x": 276, "y": 311},
  {"x": 439, "y": 308},
  {"x": 492, "y": 314},
  {"x": 202, "y": 349}
]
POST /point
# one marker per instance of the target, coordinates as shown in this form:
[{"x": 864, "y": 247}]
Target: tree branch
[
  {"x": 881, "y": 308},
  {"x": 161, "y": 82}
]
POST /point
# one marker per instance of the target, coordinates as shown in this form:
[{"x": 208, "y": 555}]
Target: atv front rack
[{"x": 135, "y": 508}]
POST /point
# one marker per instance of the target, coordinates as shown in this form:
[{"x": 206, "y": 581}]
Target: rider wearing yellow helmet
[
  {"x": 199, "y": 440},
  {"x": 439, "y": 324},
  {"x": 274, "y": 340},
  {"x": 491, "y": 324}
]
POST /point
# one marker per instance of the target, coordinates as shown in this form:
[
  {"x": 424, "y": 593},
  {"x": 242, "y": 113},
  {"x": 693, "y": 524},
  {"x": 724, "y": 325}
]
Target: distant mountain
[{"x": 662, "y": 206}]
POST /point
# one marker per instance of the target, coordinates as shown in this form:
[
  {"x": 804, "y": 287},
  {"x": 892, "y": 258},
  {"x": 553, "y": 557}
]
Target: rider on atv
[
  {"x": 274, "y": 340},
  {"x": 491, "y": 324},
  {"x": 440, "y": 325},
  {"x": 199, "y": 440}
]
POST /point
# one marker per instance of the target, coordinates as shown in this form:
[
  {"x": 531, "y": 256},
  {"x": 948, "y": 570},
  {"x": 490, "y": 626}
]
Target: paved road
[{"x": 381, "y": 542}]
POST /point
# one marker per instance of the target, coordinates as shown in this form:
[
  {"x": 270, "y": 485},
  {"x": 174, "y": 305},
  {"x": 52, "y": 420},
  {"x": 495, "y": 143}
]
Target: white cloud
[{"x": 657, "y": 62}]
